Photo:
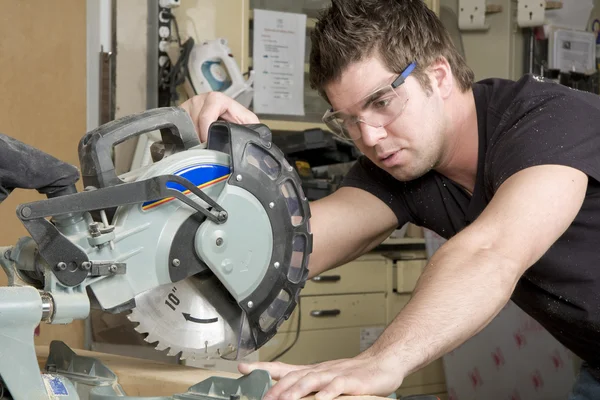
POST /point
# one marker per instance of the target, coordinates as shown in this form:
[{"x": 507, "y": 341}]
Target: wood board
[{"x": 42, "y": 101}]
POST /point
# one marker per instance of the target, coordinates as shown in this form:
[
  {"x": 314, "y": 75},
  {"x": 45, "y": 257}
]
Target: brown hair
[{"x": 399, "y": 31}]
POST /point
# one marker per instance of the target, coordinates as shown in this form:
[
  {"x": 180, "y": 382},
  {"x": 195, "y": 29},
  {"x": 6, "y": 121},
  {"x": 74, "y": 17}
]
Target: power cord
[
  {"x": 178, "y": 73},
  {"x": 297, "y": 335}
]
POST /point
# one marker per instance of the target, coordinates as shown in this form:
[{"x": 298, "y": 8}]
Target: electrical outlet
[
  {"x": 164, "y": 32},
  {"x": 531, "y": 13},
  {"x": 471, "y": 15}
]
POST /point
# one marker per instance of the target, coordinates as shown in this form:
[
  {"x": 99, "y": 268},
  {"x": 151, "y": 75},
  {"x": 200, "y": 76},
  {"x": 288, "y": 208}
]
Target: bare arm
[
  {"x": 464, "y": 286},
  {"x": 473, "y": 275},
  {"x": 345, "y": 225}
]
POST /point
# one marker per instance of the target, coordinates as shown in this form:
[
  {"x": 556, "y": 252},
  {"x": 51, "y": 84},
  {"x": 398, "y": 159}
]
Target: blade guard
[{"x": 281, "y": 196}]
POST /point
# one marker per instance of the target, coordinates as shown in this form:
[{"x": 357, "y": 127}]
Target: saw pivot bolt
[
  {"x": 26, "y": 212},
  {"x": 61, "y": 266},
  {"x": 94, "y": 229},
  {"x": 222, "y": 215}
]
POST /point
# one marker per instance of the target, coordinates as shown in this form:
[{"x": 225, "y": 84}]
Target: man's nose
[{"x": 371, "y": 135}]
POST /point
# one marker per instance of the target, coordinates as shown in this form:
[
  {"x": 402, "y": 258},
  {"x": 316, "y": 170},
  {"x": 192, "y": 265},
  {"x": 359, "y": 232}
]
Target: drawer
[
  {"x": 395, "y": 303},
  {"x": 406, "y": 274},
  {"x": 314, "y": 346},
  {"x": 338, "y": 311},
  {"x": 366, "y": 274},
  {"x": 431, "y": 374}
]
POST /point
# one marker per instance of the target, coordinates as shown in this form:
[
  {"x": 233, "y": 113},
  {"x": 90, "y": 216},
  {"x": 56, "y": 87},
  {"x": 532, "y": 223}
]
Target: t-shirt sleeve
[
  {"x": 561, "y": 130},
  {"x": 367, "y": 176}
]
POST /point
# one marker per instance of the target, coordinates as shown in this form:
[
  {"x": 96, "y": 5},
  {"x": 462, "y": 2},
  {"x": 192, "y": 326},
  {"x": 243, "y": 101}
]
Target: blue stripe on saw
[{"x": 198, "y": 175}]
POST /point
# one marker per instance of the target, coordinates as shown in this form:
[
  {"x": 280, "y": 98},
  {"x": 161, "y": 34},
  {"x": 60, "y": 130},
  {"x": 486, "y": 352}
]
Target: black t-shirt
[{"x": 522, "y": 124}]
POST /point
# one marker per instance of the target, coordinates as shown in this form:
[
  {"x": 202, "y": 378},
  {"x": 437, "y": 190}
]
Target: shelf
[
  {"x": 282, "y": 125},
  {"x": 493, "y": 8},
  {"x": 554, "y": 5},
  {"x": 400, "y": 241}
]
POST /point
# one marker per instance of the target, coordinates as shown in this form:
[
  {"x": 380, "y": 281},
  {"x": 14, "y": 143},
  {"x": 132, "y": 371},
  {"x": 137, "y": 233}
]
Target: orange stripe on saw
[{"x": 204, "y": 185}]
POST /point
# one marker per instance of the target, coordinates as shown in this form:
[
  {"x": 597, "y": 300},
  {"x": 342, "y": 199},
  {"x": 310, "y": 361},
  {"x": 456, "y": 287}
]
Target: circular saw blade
[{"x": 195, "y": 317}]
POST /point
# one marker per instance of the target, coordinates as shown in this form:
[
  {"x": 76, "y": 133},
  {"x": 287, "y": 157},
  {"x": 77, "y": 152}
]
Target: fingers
[
  {"x": 299, "y": 384},
  {"x": 206, "y": 108},
  {"x": 277, "y": 370},
  {"x": 337, "y": 387}
]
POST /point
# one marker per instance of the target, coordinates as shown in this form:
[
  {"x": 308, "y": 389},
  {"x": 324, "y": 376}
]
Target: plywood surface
[
  {"x": 43, "y": 85},
  {"x": 42, "y": 99},
  {"x": 150, "y": 378}
]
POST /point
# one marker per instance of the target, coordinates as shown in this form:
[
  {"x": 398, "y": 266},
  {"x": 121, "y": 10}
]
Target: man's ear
[{"x": 442, "y": 77}]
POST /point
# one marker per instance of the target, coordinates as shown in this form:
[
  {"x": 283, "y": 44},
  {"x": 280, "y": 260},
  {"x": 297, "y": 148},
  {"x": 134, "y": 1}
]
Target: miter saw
[{"x": 207, "y": 248}]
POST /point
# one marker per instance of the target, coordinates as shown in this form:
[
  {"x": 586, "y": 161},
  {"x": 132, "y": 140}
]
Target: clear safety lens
[{"x": 377, "y": 109}]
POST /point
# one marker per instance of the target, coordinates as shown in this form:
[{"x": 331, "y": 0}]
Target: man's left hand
[{"x": 361, "y": 375}]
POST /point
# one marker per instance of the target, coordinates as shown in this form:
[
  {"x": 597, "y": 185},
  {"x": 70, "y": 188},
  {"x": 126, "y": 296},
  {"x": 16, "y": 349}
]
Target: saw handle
[{"x": 96, "y": 147}]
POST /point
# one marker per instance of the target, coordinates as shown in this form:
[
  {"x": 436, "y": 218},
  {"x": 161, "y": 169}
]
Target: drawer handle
[
  {"x": 325, "y": 313},
  {"x": 326, "y": 278}
]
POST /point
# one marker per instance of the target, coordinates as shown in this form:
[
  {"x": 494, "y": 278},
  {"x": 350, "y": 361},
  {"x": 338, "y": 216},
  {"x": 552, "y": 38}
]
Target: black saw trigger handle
[{"x": 96, "y": 147}]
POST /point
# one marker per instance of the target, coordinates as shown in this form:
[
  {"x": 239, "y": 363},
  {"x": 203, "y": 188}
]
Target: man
[{"x": 509, "y": 171}]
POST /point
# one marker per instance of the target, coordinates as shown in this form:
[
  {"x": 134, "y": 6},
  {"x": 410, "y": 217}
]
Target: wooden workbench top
[{"x": 151, "y": 378}]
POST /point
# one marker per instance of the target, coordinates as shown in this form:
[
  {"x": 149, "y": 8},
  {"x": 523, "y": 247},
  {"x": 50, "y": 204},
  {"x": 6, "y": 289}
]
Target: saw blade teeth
[
  {"x": 131, "y": 317},
  {"x": 151, "y": 338},
  {"x": 170, "y": 332},
  {"x": 161, "y": 346},
  {"x": 173, "y": 351}
]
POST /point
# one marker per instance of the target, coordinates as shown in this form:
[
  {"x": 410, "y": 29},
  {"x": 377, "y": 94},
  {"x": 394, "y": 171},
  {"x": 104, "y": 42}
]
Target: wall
[
  {"x": 211, "y": 19},
  {"x": 131, "y": 78},
  {"x": 497, "y": 52}
]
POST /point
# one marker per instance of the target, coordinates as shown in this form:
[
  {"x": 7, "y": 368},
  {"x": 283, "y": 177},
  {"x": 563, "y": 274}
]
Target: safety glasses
[{"x": 377, "y": 109}]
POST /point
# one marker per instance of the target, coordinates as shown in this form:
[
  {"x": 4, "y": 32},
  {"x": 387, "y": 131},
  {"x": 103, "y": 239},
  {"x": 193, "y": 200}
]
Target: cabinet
[
  {"x": 343, "y": 311},
  {"x": 339, "y": 311},
  {"x": 361, "y": 297}
]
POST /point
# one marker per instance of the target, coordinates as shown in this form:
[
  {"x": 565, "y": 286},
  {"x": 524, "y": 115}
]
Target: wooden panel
[
  {"x": 43, "y": 98},
  {"x": 43, "y": 81},
  {"x": 352, "y": 277},
  {"x": 438, "y": 390},
  {"x": 355, "y": 310}
]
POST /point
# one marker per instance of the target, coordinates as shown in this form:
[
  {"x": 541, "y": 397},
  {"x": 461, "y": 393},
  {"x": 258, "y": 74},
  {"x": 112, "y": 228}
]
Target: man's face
[{"x": 411, "y": 144}]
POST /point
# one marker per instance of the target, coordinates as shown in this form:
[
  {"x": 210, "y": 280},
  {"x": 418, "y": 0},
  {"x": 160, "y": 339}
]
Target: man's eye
[
  {"x": 351, "y": 120},
  {"x": 382, "y": 103}
]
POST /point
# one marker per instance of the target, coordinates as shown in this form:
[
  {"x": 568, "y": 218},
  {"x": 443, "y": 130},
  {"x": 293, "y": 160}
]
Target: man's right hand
[{"x": 206, "y": 108}]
